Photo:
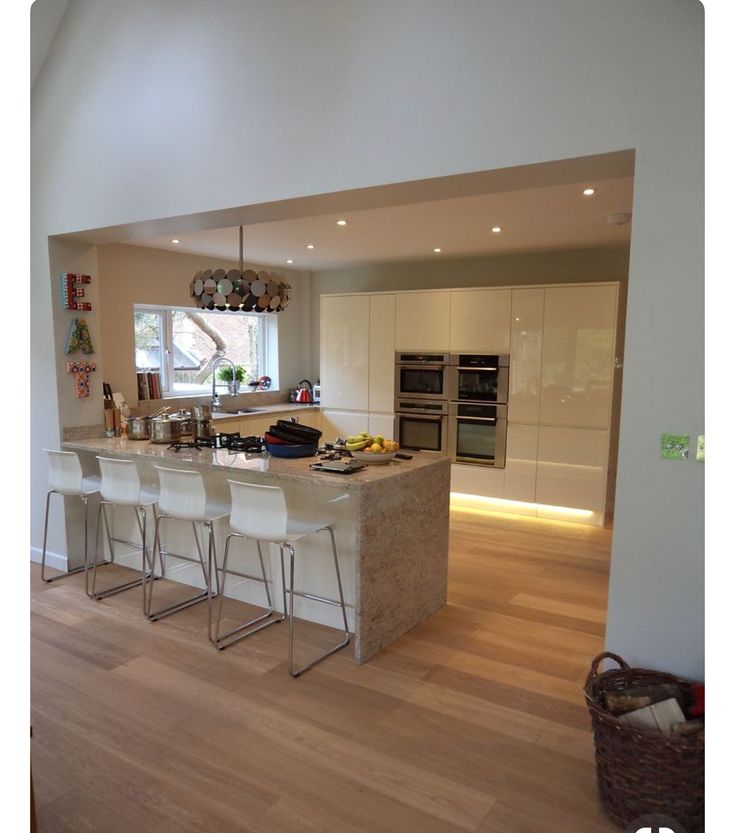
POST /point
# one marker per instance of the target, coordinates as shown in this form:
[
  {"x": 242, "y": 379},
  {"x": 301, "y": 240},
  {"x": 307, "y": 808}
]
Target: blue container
[{"x": 282, "y": 450}]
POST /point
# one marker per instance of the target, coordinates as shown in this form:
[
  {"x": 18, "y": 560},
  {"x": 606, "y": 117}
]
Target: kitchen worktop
[
  {"x": 284, "y": 469},
  {"x": 265, "y": 410}
]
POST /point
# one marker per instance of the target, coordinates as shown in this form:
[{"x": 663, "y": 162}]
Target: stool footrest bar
[{"x": 155, "y": 615}]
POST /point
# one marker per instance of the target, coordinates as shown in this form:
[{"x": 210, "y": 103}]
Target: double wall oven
[{"x": 453, "y": 403}]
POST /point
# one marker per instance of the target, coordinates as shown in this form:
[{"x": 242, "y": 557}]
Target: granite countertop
[
  {"x": 220, "y": 458},
  {"x": 264, "y": 410}
]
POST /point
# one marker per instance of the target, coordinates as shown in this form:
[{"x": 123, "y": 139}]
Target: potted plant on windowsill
[{"x": 225, "y": 374}]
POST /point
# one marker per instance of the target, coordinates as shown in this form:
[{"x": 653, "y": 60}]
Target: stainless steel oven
[
  {"x": 422, "y": 375},
  {"x": 478, "y": 378},
  {"x": 477, "y": 433},
  {"x": 421, "y": 425}
]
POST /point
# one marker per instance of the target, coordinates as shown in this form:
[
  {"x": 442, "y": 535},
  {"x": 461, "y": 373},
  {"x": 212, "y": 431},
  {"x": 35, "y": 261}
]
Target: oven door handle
[
  {"x": 475, "y": 419},
  {"x": 479, "y": 369},
  {"x": 421, "y": 366},
  {"x": 420, "y": 415}
]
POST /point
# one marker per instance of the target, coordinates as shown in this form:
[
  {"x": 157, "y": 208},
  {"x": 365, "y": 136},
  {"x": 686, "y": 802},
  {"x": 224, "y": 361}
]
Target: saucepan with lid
[
  {"x": 165, "y": 429},
  {"x": 139, "y": 428}
]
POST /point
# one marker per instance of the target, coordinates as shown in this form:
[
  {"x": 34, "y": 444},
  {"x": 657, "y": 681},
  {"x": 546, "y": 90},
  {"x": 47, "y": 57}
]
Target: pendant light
[{"x": 240, "y": 290}]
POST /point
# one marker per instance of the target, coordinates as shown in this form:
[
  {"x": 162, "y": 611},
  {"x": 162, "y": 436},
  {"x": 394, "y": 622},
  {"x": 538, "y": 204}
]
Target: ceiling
[{"x": 544, "y": 218}]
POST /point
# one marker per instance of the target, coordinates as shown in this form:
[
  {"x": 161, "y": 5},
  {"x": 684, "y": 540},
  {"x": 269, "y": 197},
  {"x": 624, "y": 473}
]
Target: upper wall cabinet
[
  {"x": 344, "y": 352},
  {"x": 422, "y": 321},
  {"x": 526, "y": 337},
  {"x": 382, "y": 353},
  {"x": 578, "y": 354},
  {"x": 480, "y": 321}
]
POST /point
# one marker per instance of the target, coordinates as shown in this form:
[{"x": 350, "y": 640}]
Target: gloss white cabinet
[
  {"x": 520, "y": 462},
  {"x": 479, "y": 321},
  {"x": 382, "y": 347},
  {"x": 345, "y": 336},
  {"x": 578, "y": 354},
  {"x": 526, "y": 339},
  {"x": 572, "y": 470},
  {"x": 422, "y": 320},
  {"x": 381, "y": 425},
  {"x": 342, "y": 424}
]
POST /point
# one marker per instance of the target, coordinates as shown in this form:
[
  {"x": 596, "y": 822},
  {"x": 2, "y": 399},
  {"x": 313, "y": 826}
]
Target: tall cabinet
[{"x": 561, "y": 341}]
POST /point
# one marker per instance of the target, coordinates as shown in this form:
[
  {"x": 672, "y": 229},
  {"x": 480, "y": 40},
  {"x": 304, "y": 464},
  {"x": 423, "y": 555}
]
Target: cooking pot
[
  {"x": 139, "y": 428},
  {"x": 186, "y": 421},
  {"x": 201, "y": 412},
  {"x": 202, "y": 428},
  {"x": 165, "y": 429},
  {"x": 303, "y": 395}
]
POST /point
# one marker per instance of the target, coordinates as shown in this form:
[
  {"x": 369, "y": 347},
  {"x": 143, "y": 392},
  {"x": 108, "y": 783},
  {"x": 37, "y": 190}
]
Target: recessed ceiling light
[
  {"x": 496, "y": 229},
  {"x": 341, "y": 222},
  {"x": 589, "y": 192},
  {"x": 310, "y": 246},
  {"x": 289, "y": 260},
  {"x": 176, "y": 240},
  {"x": 437, "y": 250}
]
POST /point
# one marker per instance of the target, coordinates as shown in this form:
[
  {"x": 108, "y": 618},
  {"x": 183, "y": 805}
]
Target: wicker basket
[{"x": 639, "y": 772}]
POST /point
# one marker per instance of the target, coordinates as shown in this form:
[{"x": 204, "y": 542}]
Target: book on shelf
[{"x": 149, "y": 385}]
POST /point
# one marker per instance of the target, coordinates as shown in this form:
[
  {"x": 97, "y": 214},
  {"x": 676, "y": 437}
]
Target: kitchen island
[{"x": 391, "y": 525}]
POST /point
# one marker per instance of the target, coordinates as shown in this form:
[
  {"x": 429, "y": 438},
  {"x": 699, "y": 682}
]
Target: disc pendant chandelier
[{"x": 240, "y": 290}]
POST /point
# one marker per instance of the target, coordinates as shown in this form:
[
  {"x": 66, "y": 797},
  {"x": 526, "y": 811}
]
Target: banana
[{"x": 356, "y": 446}]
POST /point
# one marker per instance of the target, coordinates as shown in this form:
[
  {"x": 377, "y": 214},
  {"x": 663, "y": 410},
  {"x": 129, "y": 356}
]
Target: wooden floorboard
[{"x": 474, "y": 721}]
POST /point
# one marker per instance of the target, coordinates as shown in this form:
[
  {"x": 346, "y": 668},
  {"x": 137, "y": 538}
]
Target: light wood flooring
[{"x": 474, "y": 721}]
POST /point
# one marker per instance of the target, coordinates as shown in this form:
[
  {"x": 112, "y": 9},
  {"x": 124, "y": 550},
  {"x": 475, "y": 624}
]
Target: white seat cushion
[
  {"x": 90, "y": 486},
  {"x": 149, "y": 495}
]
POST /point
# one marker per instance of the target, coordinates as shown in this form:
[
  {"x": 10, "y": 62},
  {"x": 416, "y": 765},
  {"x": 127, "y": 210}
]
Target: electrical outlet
[{"x": 674, "y": 446}]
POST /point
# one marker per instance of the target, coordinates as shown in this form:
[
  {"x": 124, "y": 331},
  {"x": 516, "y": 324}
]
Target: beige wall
[{"x": 130, "y": 275}]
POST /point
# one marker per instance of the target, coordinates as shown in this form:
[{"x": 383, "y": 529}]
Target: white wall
[{"x": 155, "y": 109}]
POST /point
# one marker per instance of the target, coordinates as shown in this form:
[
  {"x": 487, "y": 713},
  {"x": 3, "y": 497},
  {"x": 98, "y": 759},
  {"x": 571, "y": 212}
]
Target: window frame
[{"x": 265, "y": 326}]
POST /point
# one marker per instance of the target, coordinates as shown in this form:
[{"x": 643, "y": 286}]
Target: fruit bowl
[{"x": 373, "y": 458}]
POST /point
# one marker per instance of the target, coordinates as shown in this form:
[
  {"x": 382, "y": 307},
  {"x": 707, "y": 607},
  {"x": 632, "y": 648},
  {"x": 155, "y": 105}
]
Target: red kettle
[{"x": 303, "y": 395}]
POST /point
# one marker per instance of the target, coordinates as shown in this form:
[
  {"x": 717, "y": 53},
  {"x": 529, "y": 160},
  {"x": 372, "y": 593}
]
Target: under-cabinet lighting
[
  {"x": 589, "y": 192},
  {"x": 480, "y": 503},
  {"x": 496, "y": 229},
  {"x": 310, "y": 246},
  {"x": 288, "y": 260},
  {"x": 437, "y": 250},
  {"x": 176, "y": 240},
  {"x": 341, "y": 222}
]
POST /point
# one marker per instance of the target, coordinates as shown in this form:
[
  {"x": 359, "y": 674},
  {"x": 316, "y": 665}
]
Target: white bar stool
[
  {"x": 65, "y": 478},
  {"x": 121, "y": 487},
  {"x": 260, "y": 513},
  {"x": 184, "y": 498}
]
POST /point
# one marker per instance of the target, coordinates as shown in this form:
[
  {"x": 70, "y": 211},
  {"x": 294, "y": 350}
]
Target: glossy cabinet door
[
  {"x": 526, "y": 338},
  {"x": 342, "y": 424},
  {"x": 345, "y": 330},
  {"x": 382, "y": 425},
  {"x": 572, "y": 469},
  {"x": 480, "y": 321},
  {"x": 578, "y": 354},
  {"x": 422, "y": 321},
  {"x": 520, "y": 462},
  {"x": 381, "y": 379}
]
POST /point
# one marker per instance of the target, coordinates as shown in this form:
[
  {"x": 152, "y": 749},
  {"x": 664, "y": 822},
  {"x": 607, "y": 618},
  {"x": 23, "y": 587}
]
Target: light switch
[{"x": 674, "y": 446}]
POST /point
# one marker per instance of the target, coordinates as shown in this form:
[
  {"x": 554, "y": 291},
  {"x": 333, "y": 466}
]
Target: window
[{"x": 181, "y": 345}]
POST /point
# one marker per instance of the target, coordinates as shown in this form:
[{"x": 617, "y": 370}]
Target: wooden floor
[{"x": 474, "y": 721}]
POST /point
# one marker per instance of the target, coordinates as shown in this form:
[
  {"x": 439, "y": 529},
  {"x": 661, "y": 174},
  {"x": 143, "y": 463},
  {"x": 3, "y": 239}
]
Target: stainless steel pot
[
  {"x": 165, "y": 429},
  {"x": 186, "y": 422},
  {"x": 202, "y": 428},
  {"x": 139, "y": 428},
  {"x": 201, "y": 412}
]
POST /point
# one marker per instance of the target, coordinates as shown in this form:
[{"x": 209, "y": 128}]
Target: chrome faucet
[{"x": 215, "y": 364}]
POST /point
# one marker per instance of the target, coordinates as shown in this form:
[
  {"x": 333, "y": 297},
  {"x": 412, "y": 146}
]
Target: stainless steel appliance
[
  {"x": 477, "y": 433},
  {"x": 478, "y": 378},
  {"x": 421, "y": 424},
  {"x": 422, "y": 375}
]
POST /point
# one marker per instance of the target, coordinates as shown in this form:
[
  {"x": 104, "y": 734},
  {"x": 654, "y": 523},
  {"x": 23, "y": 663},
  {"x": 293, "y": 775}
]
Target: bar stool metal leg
[
  {"x": 156, "y": 615},
  {"x": 224, "y": 640},
  {"x": 103, "y": 520},
  {"x": 74, "y": 570},
  {"x": 295, "y": 672}
]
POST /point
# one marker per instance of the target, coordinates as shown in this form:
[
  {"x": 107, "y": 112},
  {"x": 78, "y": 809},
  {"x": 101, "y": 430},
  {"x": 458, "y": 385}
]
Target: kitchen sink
[{"x": 242, "y": 411}]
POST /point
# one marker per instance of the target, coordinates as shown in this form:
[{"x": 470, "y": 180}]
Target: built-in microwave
[
  {"x": 477, "y": 433},
  {"x": 421, "y": 425},
  {"x": 478, "y": 378},
  {"x": 422, "y": 375}
]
